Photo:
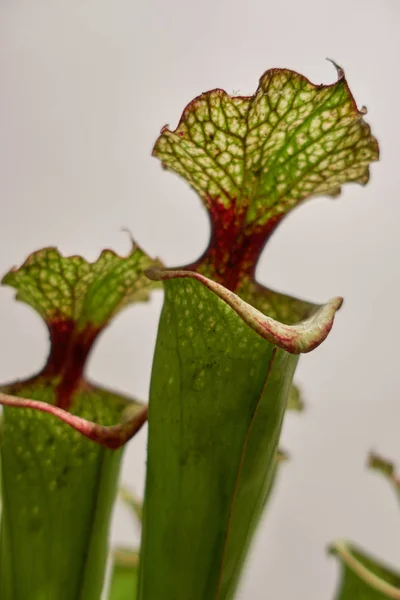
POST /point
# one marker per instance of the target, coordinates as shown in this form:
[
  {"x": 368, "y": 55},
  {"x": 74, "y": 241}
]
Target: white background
[{"x": 85, "y": 87}]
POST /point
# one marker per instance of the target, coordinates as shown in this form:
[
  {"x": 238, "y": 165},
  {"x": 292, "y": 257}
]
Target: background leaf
[
  {"x": 125, "y": 575},
  {"x": 387, "y": 469},
  {"x": 295, "y": 399},
  {"x": 363, "y": 577}
]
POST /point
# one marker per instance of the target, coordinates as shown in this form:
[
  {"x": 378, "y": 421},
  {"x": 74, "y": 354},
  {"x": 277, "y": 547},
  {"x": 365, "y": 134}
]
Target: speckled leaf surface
[
  {"x": 59, "y": 486},
  {"x": 227, "y": 345},
  {"x": 213, "y": 442},
  {"x": 289, "y": 141},
  {"x": 253, "y": 159}
]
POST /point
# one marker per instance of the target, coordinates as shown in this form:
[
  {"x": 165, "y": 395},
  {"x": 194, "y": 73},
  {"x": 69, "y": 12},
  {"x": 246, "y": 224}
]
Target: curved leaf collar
[
  {"x": 253, "y": 159},
  {"x": 77, "y": 300}
]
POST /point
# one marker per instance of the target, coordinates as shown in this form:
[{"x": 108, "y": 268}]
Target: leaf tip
[{"x": 339, "y": 69}]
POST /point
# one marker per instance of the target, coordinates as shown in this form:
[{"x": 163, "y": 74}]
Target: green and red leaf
[
  {"x": 77, "y": 300},
  {"x": 58, "y": 486},
  {"x": 227, "y": 346},
  {"x": 253, "y": 159}
]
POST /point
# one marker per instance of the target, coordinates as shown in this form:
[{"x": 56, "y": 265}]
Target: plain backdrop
[{"x": 86, "y": 86}]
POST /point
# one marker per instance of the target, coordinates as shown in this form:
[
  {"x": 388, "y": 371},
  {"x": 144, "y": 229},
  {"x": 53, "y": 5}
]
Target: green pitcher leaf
[
  {"x": 58, "y": 486},
  {"x": 363, "y": 577},
  {"x": 221, "y": 377},
  {"x": 227, "y": 346},
  {"x": 124, "y": 575}
]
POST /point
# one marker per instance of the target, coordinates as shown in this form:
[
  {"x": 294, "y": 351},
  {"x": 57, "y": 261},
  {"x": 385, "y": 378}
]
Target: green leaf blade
[
  {"x": 58, "y": 491},
  {"x": 219, "y": 392},
  {"x": 257, "y": 470},
  {"x": 194, "y": 469}
]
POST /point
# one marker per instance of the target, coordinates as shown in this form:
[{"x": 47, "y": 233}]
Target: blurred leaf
[
  {"x": 132, "y": 502},
  {"x": 80, "y": 294},
  {"x": 125, "y": 561},
  {"x": 124, "y": 575},
  {"x": 295, "y": 399},
  {"x": 387, "y": 469},
  {"x": 363, "y": 577}
]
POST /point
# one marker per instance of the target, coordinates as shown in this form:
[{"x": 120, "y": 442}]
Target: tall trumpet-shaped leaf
[
  {"x": 363, "y": 576},
  {"x": 59, "y": 486},
  {"x": 227, "y": 346}
]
